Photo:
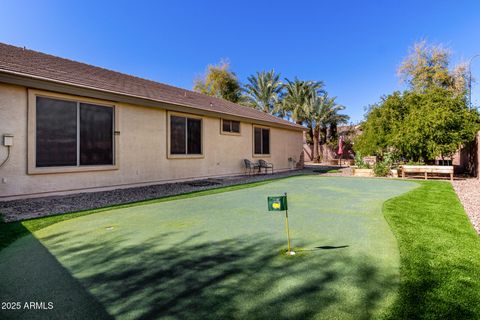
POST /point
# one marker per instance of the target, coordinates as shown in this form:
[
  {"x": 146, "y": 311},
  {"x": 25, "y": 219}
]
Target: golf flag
[{"x": 278, "y": 203}]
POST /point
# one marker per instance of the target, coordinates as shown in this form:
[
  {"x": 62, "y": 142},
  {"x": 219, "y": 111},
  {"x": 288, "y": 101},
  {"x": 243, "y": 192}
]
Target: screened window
[
  {"x": 185, "y": 135},
  {"x": 70, "y": 133},
  {"x": 231, "y": 126},
  {"x": 96, "y": 134},
  {"x": 56, "y": 133},
  {"x": 261, "y": 141}
]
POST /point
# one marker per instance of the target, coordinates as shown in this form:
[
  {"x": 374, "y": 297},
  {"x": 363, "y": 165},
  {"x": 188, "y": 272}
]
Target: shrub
[
  {"x": 359, "y": 161},
  {"x": 381, "y": 169}
]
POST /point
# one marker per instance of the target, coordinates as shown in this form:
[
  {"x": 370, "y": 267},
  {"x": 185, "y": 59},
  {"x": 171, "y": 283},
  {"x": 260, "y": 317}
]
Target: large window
[
  {"x": 72, "y": 133},
  {"x": 185, "y": 135},
  {"x": 261, "y": 140},
  {"x": 230, "y": 126},
  {"x": 96, "y": 134}
]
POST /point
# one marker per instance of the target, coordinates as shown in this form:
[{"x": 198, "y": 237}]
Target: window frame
[
  {"x": 231, "y": 133},
  {"x": 32, "y": 136},
  {"x": 262, "y": 155},
  {"x": 202, "y": 136}
]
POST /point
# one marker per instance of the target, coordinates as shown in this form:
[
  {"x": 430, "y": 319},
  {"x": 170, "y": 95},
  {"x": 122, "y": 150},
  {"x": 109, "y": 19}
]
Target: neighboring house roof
[{"x": 29, "y": 63}]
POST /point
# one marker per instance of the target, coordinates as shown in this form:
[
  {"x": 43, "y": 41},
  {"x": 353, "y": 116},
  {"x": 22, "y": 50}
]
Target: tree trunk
[
  {"x": 316, "y": 154},
  {"x": 323, "y": 138},
  {"x": 310, "y": 133},
  {"x": 333, "y": 131}
]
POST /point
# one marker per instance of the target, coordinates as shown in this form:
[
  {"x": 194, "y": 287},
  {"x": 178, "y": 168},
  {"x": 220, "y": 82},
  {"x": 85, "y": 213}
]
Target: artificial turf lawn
[
  {"x": 440, "y": 255},
  {"x": 219, "y": 256},
  {"x": 439, "y": 266},
  {"x": 9, "y": 232},
  {"x": 326, "y": 171}
]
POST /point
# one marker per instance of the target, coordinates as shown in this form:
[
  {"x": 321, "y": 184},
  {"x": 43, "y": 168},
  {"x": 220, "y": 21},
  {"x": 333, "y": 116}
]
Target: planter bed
[{"x": 362, "y": 172}]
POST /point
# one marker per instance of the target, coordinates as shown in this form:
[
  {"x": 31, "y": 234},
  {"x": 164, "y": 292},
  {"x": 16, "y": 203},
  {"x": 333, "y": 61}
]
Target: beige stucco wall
[{"x": 142, "y": 155}]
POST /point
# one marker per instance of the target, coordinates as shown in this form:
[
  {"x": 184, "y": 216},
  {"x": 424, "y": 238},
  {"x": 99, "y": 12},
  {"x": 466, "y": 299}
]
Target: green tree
[
  {"x": 418, "y": 125},
  {"x": 264, "y": 91},
  {"x": 437, "y": 125},
  {"x": 380, "y": 124},
  {"x": 427, "y": 66},
  {"x": 429, "y": 120},
  {"x": 219, "y": 82}
]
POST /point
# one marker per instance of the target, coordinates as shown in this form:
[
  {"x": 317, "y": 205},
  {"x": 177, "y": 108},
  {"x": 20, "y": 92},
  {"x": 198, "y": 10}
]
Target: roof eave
[{"x": 36, "y": 82}]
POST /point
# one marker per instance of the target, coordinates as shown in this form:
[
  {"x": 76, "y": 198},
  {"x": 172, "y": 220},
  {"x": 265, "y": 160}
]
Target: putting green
[{"x": 217, "y": 256}]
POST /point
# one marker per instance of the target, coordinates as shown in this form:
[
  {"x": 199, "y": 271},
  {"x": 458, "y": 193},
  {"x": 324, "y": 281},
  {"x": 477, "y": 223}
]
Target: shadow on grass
[
  {"x": 30, "y": 273},
  {"x": 9, "y": 232},
  {"x": 321, "y": 248},
  {"x": 331, "y": 247},
  {"x": 247, "y": 278},
  {"x": 192, "y": 279}
]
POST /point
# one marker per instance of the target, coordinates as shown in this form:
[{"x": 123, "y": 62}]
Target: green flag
[{"x": 278, "y": 203}]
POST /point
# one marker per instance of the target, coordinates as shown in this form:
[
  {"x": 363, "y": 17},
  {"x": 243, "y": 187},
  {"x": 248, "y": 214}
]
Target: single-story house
[{"x": 69, "y": 127}]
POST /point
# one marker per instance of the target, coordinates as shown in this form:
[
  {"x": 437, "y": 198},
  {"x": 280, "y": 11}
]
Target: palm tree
[
  {"x": 297, "y": 94},
  {"x": 264, "y": 91},
  {"x": 318, "y": 110},
  {"x": 307, "y": 103},
  {"x": 323, "y": 113},
  {"x": 335, "y": 119},
  {"x": 295, "y": 102}
]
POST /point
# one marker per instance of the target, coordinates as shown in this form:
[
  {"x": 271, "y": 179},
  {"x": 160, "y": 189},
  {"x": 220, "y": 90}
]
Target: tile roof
[{"x": 31, "y": 63}]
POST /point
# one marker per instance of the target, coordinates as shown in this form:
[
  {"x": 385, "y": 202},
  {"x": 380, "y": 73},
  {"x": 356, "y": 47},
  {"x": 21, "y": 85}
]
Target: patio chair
[
  {"x": 250, "y": 166},
  {"x": 266, "y": 165}
]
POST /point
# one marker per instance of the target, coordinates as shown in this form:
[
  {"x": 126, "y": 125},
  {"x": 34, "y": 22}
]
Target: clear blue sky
[{"x": 353, "y": 46}]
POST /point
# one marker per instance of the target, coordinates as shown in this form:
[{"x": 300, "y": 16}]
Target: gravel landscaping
[
  {"x": 15, "y": 210},
  {"x": 468, "y": 192},
  {"x": 22, "y": 209}
]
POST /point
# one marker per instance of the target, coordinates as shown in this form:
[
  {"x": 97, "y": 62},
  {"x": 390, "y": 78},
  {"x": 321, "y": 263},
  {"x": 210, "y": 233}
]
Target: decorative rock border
[
  {"x": 15, "y": 210},
  {"x": 468, "y": 192}
]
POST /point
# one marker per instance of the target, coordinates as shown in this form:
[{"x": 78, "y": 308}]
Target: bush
[
  {"x": 415, "y": 163},
  {"x": 359, "y": 161},
  {"x": 381, "y": 169}
]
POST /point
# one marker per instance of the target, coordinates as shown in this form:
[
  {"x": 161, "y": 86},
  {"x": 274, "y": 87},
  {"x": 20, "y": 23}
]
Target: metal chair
[
  {"x": 266, "y": 165},
  {"x": 250, "y": 166}
]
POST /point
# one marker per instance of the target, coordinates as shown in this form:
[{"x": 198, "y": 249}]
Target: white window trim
[
  {"x": 185, "y": 156},
  {"x": 31, "y": 137},
  {"x": 261, "y": 155}
]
